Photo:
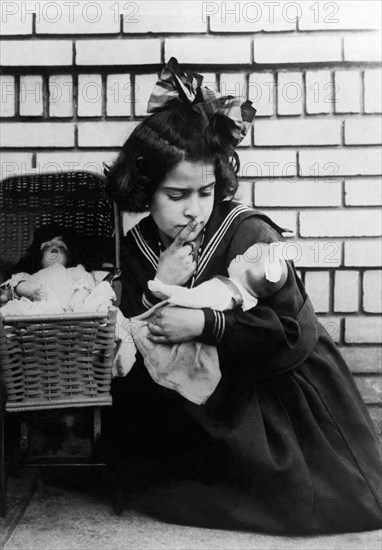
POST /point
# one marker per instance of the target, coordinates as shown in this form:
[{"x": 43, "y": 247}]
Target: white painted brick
[
  {"x": 341, "y": 223},
  {"x": 35, "y": 53},
  {"x": 363, "y": 192},
  {"x": 286, "y": 219},
  {"x": 118, "y": 52},
  {"x": 161, "y": 17},
  {"x": 209, "y": 50},
  {"x": 61, "y": 95},
  {"x": 372, "y": 291},
  {"x": 244, "y": 193},
  {"x": 346, "y": 286},
  {"x": 14, "y": 20},
  {"x": 88, "y": 18},
  {"x": 290, "y": 94},
  {"x": 31, "y": 95},
  {"x": 7, "y": 95},
  {"x": 296, "y": 49},
  {"x": 310, "y": 253},
  {"x": 373, "y": 91},
  {"x": 363, "y": 131},
  {"x": 317, "y": 285},
  {"x": 297, "y": 193},
  {"x": 250, "y": 16},
  {"x": 13, "y": 164},
  {"x": 341, "y": 162},
  {"x": 89, "y": 95},
  {"x": 347, "y": 91},
  {"x": 34, "y": 134},
  {"x": 144, "y": 85},
  {"x": 104, "y": 134},
  {"x": 262, "y": 92},
  {"x": 332, "y": 325},
  {"x": 363, "y": 330},
  {"x": 233, "y": 84},
  {"x": 362, "y": 47},
  {"x": 209, "y": 80},
  {"x": 363, "y": 253},
  {"x": 297, "y": 132},
  {"x": 338, "y": 15},
  {"x": 370, "y": 388},
  {"x": 319, "y": 92},
  {"x": 119, "y": 95},
  {"x": 267, "y": 163},
  {"x": 74, "y": 161},
  {"x": 363, "y": 359}
]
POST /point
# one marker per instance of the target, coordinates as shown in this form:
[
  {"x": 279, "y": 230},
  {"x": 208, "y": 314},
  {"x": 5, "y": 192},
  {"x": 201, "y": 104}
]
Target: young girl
[{"x": 285, "y": 443}]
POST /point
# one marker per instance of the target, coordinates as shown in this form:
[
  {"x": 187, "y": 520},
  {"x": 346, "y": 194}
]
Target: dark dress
[{"x": 285, "y": 443}]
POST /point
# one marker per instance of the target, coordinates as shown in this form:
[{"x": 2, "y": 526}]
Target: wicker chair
[{"x": 64, "y": 360}]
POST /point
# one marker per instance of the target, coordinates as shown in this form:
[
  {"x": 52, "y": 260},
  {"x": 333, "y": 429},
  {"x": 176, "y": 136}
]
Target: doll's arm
[
  {"x": 260, "y": 272},
  {"x": 218, "y": 293},
  {"x": 24, "y": 285},
  {"x": 31, "y": 290}
]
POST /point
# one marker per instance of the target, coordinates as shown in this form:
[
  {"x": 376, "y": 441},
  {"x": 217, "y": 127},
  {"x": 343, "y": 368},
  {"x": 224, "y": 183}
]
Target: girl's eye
[
  {"x": 175, "y": 197},
  {"x": 207, "y": 192}
]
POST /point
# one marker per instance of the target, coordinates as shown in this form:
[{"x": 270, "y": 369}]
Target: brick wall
[{"x": 77, "y": 75}]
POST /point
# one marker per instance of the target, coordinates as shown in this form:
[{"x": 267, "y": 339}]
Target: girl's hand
[
  {"x": 176, "y": 264},
  {"x": 171, "y": 325}
]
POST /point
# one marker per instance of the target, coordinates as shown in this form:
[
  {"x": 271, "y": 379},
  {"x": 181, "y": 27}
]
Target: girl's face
[
  {"x": 186, "y": 193},
  {"x": 54, "y": 251}
]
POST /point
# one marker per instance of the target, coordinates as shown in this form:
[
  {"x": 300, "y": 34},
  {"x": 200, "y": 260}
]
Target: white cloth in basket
[{"x": 61, "y": 290}]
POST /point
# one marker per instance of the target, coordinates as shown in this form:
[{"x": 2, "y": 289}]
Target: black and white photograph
[{"x": 190, "y": 275}]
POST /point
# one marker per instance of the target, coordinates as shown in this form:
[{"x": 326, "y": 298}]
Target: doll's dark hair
[
  {"x": 31, "y": 260},
  {"x": 159, "y": 143}
]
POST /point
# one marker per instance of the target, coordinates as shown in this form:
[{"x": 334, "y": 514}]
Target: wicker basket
[
  {"x": 53, "y": 361},
  {"x": 57, "y": 360}
]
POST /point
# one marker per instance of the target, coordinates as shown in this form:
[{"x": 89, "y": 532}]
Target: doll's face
[{"x": 54, "y": 251}]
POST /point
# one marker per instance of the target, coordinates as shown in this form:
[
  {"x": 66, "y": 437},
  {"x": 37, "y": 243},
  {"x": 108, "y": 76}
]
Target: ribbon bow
[{"x": 186, "y": 87}]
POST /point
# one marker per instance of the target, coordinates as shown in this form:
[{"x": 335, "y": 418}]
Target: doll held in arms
[
  {"x": 192, "y": 368},
  {"x": 54, "y": 277}
]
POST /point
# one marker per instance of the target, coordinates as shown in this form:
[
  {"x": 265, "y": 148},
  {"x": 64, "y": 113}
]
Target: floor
[
  {"x": 70, "y": 508},
  {"x": 42, "y": 515}
]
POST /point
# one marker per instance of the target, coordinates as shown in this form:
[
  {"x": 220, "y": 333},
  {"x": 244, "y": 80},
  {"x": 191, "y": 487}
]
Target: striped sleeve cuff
[
  {"x": 149, "y": 300},
  {"x": 214, "y": 326}
]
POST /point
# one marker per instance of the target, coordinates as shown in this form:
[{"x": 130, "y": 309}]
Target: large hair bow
[{"x": 186, "y": 87}]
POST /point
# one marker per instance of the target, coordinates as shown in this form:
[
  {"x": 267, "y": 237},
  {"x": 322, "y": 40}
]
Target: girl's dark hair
[
  {"x": 163, "y": 140},
  {"x": 31, "y": 260}
]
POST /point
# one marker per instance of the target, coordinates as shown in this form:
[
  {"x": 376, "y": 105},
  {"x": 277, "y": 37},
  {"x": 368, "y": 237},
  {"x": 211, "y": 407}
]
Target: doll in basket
[
  {"x": 192, "y": 368},
  {"x": 54, "y": 276}
]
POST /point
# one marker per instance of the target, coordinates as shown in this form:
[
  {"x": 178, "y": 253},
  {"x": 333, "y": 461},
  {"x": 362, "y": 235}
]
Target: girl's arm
[
  {"x": 265, "y": 330},
  {"x": 259, "y": 330}
]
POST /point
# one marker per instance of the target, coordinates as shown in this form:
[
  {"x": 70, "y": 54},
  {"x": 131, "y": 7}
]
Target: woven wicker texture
[
  {"x": 46, "y": 359},
  {"x": 67, "y": 358},
  {"x": 74, "y": 200}
]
